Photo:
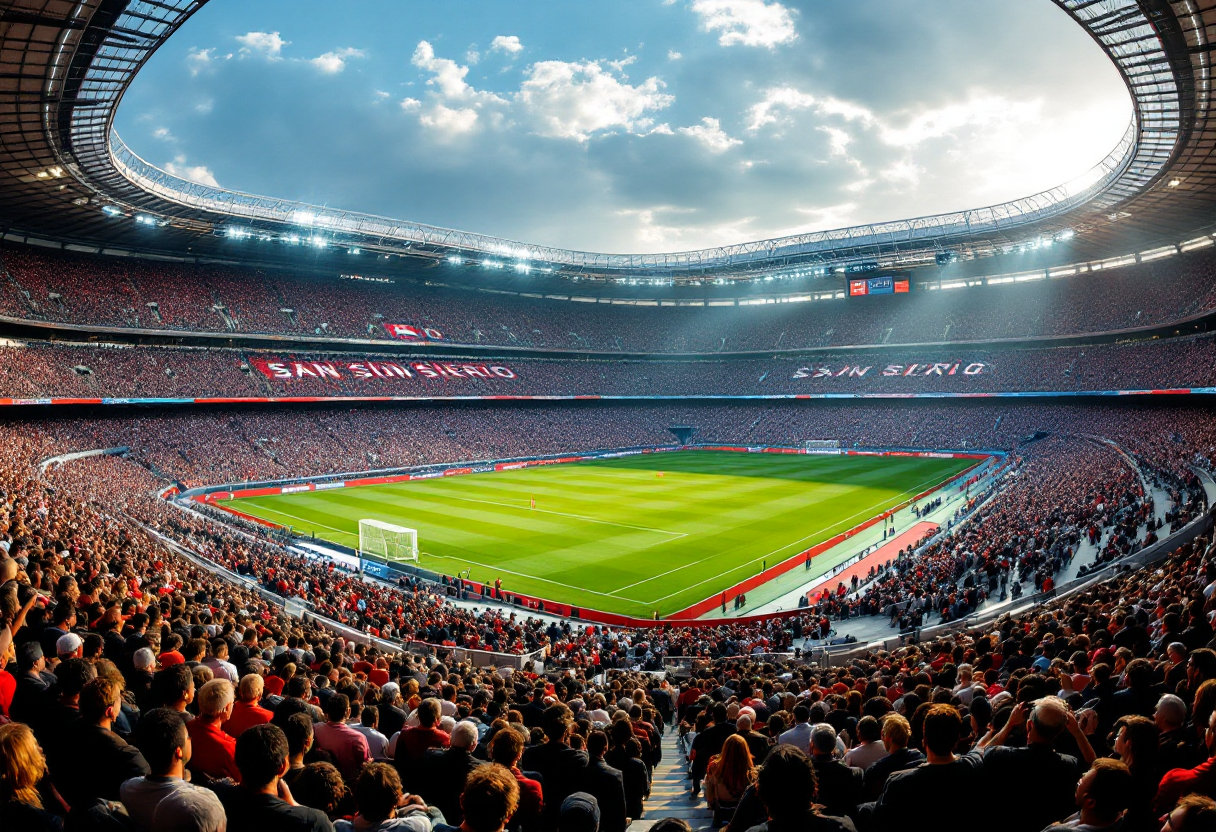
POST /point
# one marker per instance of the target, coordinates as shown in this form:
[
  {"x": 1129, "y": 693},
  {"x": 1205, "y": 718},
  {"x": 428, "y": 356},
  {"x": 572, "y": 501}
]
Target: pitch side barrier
[
  {"x": 245, "y": 400},
  {"x": 688, "y": 617}
]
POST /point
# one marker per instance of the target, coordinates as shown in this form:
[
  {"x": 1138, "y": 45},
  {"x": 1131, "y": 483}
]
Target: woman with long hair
[
  {"x": 22, "y": 768},
  {"x": 729, "y": 773},
  {"x": 1135, "y": 743}
]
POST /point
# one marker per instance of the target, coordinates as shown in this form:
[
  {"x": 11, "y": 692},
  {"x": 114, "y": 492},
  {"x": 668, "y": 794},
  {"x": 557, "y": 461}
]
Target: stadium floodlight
[
  {"x": 1066, "y": 234},
  {"x": 354, "y": 251},
  {"x": 303, "y": 217},
  {"x": 236, "y": 233},
  {"x": 523, "y": 268},
  {"x": 388, "y": 541},
  {"x": 491, "y": 264},
  {"x": 318, "y": 242},
  {"x": 144, "y": 219},
  {"x": 111, "y": 211},
  {"x": 292, "y": 240},
  {"x": 455, "y": 259}
]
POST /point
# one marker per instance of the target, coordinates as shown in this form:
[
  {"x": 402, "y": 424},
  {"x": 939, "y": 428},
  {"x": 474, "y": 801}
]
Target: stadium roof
[{"x": 67, "y": 177}]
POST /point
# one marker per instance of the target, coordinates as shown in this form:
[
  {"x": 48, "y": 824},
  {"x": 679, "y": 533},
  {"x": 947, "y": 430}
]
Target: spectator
[
  {"x": 606, "y": 784},
  {"x": 260, "y": 803},
  {"x": 490, "y": 797},
  {"x": 1200, "y": 780},
  {"x": 942, "y": 773},
  {"x": 347, "y": 746},
  {"x": 1036, "y": 769},
  {"x": 870, "y": 748},
  {"x": 896, "y": 733},
  {"x": 506, "y": 749},
  {"x": 448, "y": 770},
  {"x": 841, "y": 787},
  {"x": 246, "y": 712},
  {"x": 1103, "y": 794},
  {"x": 213, "y": 754},
  {"x": 22, "y": 768},
  {"x": 560, "y": 766},
  {"x": 383, "y": 806},
  {"x": 786, "y": 784},
  {"x": 165, "y": 744},
  {"x": 320, "y": 786},
  {"x": 377, "y": 743},
  {"x": 709, "y": 743},
  {"x": 99, "y": 761},
  {"x": 729, "y": 774}
]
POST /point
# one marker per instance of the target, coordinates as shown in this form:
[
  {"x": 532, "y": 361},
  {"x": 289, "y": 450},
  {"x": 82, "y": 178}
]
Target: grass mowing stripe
[{"x": 604, "y": 529}]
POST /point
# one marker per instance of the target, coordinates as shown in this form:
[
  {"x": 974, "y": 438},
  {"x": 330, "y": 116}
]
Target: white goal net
[
  {"x": 822, "y": 446},
  {"x": 388, "y": 541}
]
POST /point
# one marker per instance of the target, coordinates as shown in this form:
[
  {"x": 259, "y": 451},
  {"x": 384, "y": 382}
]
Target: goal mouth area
[{"x": 388, "y": 540}]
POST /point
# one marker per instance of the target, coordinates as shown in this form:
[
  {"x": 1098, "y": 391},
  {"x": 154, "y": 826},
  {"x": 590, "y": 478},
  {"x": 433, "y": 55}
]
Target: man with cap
[
  {"x": 69, "y": 646},
  {"x": 580, "y": 812},
  {"x": 34, "y": 683}
]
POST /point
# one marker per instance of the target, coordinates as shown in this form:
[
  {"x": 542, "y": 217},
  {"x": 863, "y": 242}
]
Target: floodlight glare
[
  {"x": 303, "y": 217},
  {"x": 144, "y": 219},
  {"x": 237, "y": 233},
  {"x": 112, "y": 211},
  {"x": 455, "y": 260},
  {"x": 318, "y": 242},
  {"x": 354, "y": 251},
  {"x": 292, "y": 239}
]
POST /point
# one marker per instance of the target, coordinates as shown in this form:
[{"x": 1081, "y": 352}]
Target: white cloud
[
  {"x": 410, "y": 104},
  {"x": 507, "y": 43},
  {"x": 204, "y": 60},
  {"x": 575, "y": 100},
  {"x": 673, "y": 55},
  {"x": 194, "y": 173},
  {"x": 204, "y": 106},
  {"x": 620, "y": 65},
  {"x": 448, "y": 120},
  {"x": 449, "y": 75},
  {"x": 163, "y": 134},
  {"x": 710, "y": 133},
  {"x": 267, "y": 44},
  {"x": 331, "y": 63},
  {"x": 472, "y": 56},
  {"x": 747, "y": 22},
  {"x": 777, "y": 98}
]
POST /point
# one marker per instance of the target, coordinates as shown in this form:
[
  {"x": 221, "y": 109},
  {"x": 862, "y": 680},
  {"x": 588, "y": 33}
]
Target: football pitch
[{"x": 629, "y": 535}]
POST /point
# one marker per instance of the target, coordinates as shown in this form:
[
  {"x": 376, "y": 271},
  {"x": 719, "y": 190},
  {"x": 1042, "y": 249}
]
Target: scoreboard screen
[{"x": 879, "y": 286}]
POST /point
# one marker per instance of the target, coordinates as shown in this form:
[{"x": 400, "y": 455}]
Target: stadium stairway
[{"x": 669, "y": 788}]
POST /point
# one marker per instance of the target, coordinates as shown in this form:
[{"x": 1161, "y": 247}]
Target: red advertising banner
[
  {"x": 902, "y": 287},
  {"x": 406, "y": 332},
  {"x": 858, "y": 287},
  {"x": 367, "y": 369}
]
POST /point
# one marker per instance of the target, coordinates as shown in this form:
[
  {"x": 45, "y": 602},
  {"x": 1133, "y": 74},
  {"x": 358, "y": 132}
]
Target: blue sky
[{"x": 639, "y": 126}]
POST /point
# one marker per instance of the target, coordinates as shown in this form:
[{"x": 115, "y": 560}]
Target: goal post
[
  {"x": 821, "y": 446},
  {"x": 388, "y": 541}
]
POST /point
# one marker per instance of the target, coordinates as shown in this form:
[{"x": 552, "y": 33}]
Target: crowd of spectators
[
  {"x": 132, "y": 293},
  {"x": 40, "y": 370},
  {"x": 145, "y": 692}
]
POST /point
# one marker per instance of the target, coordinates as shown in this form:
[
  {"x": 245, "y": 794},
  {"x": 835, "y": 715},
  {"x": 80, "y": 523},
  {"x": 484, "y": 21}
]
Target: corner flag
[{"x": 532, "y": 498}]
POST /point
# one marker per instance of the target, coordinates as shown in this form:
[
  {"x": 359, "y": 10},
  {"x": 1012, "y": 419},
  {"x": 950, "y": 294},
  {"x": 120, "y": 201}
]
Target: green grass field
[{"x": 612, "y": 534}]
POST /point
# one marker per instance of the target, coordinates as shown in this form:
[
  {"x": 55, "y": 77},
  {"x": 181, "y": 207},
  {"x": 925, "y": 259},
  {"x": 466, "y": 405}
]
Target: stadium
[{"x": 316, "y": 518}]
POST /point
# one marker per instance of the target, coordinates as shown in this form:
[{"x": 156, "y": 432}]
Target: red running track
[{"x": 882, "y": 554}]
